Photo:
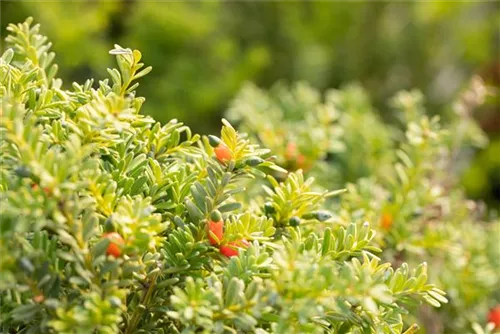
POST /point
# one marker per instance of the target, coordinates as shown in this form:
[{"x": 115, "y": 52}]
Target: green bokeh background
[{"x": 202, "y": 53}]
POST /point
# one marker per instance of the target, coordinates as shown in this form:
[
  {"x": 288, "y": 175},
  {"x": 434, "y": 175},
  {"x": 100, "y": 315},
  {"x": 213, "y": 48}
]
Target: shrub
[
  {"x": 402, "y": 176},
  {"x": 104, "y": 216}
]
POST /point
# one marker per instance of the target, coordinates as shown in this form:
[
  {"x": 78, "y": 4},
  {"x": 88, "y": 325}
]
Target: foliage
[
  {"x": 403, "y": 177},
  {"x": 80, "y": 163},
  {"x": 385, "y": 46}
]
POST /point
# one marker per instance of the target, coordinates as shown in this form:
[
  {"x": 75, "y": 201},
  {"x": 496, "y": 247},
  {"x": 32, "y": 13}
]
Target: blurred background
[{"x": 202, "y": 53}]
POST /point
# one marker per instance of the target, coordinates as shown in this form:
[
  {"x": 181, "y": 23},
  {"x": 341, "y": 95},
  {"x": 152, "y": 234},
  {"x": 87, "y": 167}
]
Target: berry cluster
[{"x": 216, "y": 236}]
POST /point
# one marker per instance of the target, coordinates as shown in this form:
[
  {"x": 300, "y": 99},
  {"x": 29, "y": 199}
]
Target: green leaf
[
  {"x": 230, "y": 207},
  {"x": 195, "y": 213},
  {"x": 7, "y": 56},
  {"x": 100, "y": 247},
  {"x": 327, "y": 239},
  {"x": 143, "y": 72}
]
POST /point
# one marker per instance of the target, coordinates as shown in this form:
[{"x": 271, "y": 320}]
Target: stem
[
  {"x": 412, "y": 179},
  {"x": 412, "y": 330},
  {"x": 125, "y": 85},
  {"x": 136, "y": 316}
]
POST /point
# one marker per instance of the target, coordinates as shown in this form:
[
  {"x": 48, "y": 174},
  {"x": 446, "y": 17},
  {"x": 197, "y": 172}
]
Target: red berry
[
  {"x": 494, "y": 316},
  {"x": 215, "y": 228},
  {"x": 46, "y": 190},
  {"x": 231, "y": 249},
  {"x": 116, "y": 243},
  {"x": 223, "y": 153}
]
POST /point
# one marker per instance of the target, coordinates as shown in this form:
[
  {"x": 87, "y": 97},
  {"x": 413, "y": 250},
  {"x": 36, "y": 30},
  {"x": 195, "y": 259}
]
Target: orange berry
[
  {"x": 291, "y": 150},
  {"x": 302, "y": 163},
  {"x": 300, "y": 160},
  {"x": 116, "y": 243},
  {"x": 386, "y": 221},
  {"x": 223, "y": 153},
  {"x": 231, "y": 249},
  {"x": 494, "y": 316},
  {"x": 39, "y": 298}
]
